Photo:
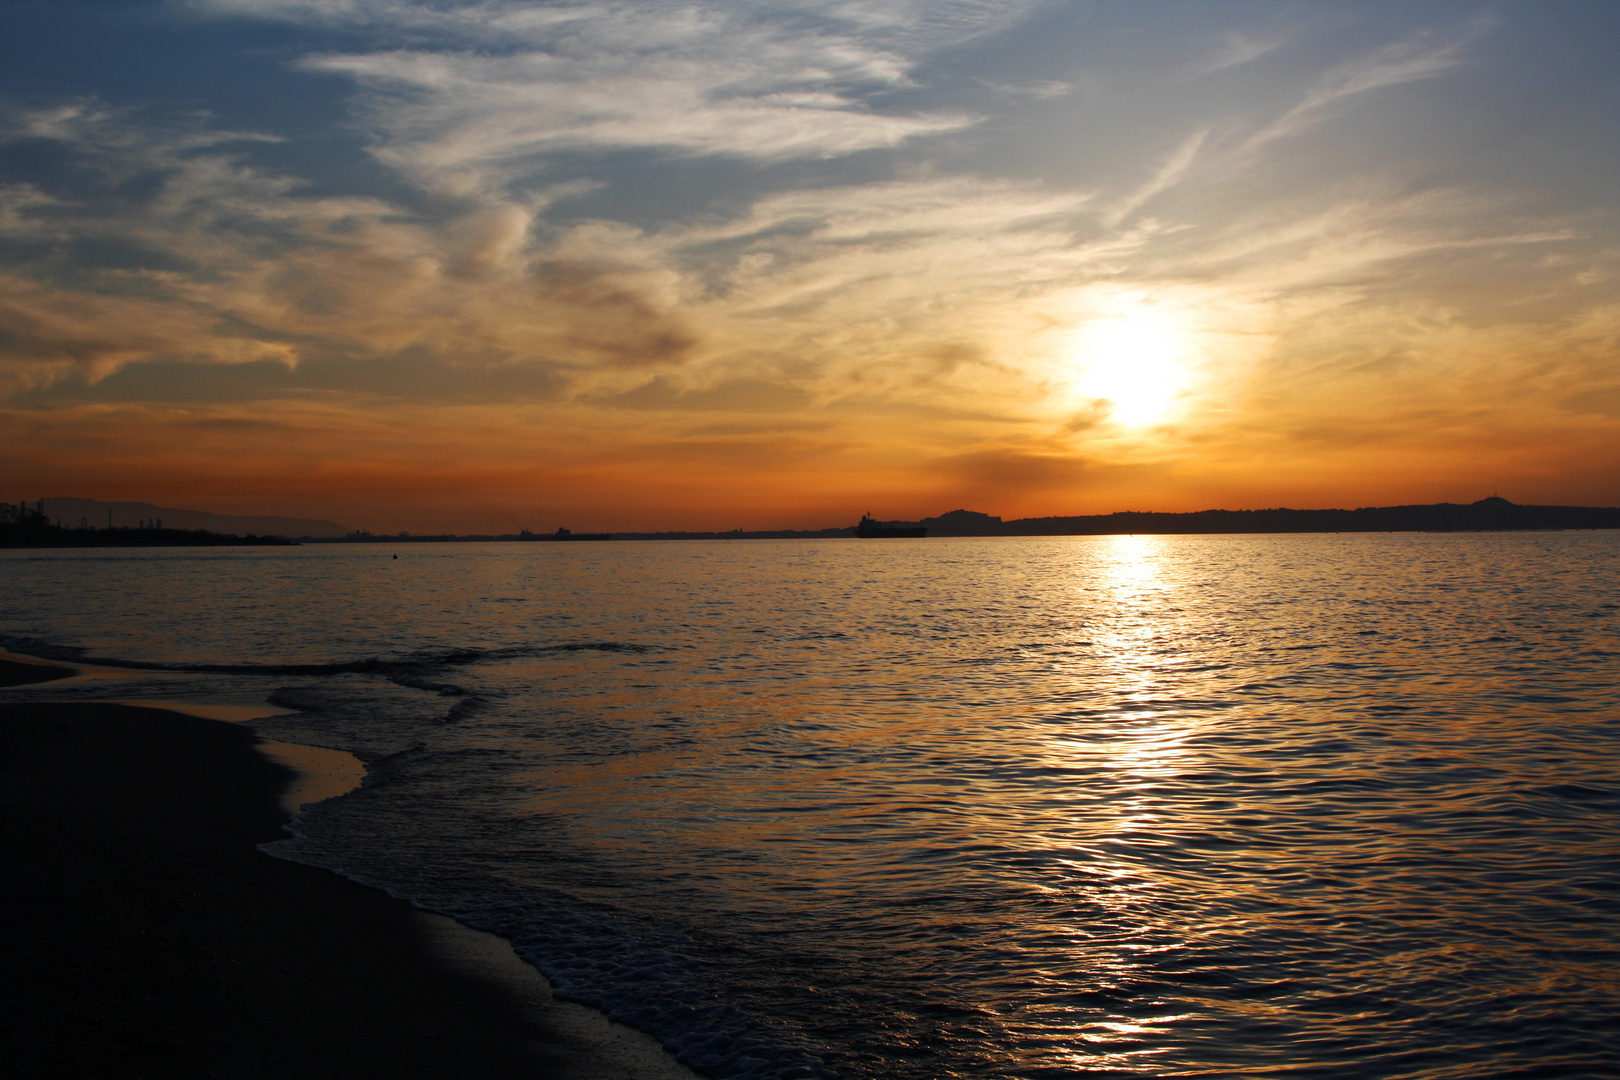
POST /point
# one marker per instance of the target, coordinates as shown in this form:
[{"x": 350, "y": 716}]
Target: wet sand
[
  {"x": 148, "y": 937},
  {"x": 13, "y": 673}
]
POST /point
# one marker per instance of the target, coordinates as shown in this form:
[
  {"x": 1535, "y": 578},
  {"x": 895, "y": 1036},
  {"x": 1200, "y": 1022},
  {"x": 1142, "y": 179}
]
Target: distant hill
[
  {"x": 965, "y": 523},
  {"x": 1490, "y": 514},
  {"x": 127, "y": 515}
]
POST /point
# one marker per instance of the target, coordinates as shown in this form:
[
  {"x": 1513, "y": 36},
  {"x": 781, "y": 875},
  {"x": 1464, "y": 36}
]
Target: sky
[{"x": 482, "y": 266}]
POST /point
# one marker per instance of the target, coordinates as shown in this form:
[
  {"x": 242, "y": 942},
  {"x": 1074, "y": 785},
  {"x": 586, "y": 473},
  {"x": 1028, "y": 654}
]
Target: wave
[
  {"x": 406, "y": 665},
  {"x": 416, "y": 671}
]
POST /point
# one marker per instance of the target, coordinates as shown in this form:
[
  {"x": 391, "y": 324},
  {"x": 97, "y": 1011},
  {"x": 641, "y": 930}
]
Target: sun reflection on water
[
  {"x": 1071, "y": 806},
  {"x": 1137, "y": 626},
  {"x": 1128, "y": 742}
]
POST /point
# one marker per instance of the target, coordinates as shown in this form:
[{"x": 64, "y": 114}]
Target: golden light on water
[
  {"x": 1129, "y": 566},
  {"x": 1123, "y": 575}
]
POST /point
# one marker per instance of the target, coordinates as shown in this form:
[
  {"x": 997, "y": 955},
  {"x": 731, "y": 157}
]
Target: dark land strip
[
  {"x": 1487, "y": 515},
  {"x": 30, "y": 530},
  {"x": 57, "y": 536}
]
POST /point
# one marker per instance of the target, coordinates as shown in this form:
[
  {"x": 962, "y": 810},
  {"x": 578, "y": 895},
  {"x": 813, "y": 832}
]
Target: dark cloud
[
  {"x": 1013, "y": 471},
  {"x": 603, "y": 317},
  {"x": 413, "y": 374},
  {"x": 733, "y": 395},
  {"x": 1094, "y": 414},
  {"x": 1604, "y": 402},
  {"x": 24, "y": 337}
]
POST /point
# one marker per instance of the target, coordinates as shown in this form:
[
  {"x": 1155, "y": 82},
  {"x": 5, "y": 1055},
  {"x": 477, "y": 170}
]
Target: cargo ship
[{"x": 564, "y": 534}]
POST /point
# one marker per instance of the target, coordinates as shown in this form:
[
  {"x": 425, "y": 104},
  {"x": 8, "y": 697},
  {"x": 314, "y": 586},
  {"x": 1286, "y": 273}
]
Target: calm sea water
[{"x": 1321, "y": 806}]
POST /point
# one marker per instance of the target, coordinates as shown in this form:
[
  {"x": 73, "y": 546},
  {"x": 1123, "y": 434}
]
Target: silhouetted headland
[{"x": 1487, "y": 515}]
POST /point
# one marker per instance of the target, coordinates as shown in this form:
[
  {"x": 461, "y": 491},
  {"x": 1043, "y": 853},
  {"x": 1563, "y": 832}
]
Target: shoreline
[
  {"x": 153, "y": 938},
  {"x": 20, "y": 673}
]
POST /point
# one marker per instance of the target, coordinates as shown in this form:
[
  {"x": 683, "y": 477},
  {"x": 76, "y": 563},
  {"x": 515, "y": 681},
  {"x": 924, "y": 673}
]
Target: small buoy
[{"x": 396, "y": 556}]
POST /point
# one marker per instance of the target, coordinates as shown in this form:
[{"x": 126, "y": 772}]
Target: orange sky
[{"x": 643, "y": 266}]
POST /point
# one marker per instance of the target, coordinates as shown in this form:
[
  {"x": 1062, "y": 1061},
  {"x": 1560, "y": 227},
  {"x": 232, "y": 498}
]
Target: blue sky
[{"x": 661, "y": 264}]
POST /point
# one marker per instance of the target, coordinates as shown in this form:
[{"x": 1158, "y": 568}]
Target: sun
[{"x": 1132, "y": 361}]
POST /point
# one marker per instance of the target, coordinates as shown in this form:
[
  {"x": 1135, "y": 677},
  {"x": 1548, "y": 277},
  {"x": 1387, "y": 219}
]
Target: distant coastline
[
  {"x": 1487, "y": 515},
  {"x": 28, "y": 526},
  {"x": 1492, "y": 514},
  {"x": 22, "y": 526},
  {"x": 55, "y": 536}
]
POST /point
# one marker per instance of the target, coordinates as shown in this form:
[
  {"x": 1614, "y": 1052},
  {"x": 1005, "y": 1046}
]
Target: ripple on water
[{"x": 1096, "y": 806}]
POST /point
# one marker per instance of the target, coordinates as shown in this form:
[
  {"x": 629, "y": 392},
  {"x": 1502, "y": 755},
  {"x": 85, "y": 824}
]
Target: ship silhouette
[{"x": 564, "y": 534}]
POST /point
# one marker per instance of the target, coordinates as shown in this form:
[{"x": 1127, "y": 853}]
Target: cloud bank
[{"x": 663, "y": 260}]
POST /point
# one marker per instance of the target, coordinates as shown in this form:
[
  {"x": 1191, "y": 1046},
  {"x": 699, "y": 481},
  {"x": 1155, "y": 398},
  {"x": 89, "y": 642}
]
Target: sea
[{"x": 917, "y": 809}]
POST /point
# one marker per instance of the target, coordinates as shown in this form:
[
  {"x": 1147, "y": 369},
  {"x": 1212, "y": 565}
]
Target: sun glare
[{"x": 1133, "y": 362}]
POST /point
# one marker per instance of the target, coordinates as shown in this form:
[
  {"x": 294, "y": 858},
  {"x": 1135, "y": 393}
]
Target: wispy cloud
[
  {"x": 219, "y": 262},
  {"x": 927, "y": 291},
  {"x": 535, "y": 296},
  {"x": 1172, "y": 172},
  {"x": 499, "y": 84},
  {"x": 918, "y": 25},
  {"x": 447, "y": 115},
  {"x": 1236, "y": 49},
  {"x": 1424, "y": 55}
]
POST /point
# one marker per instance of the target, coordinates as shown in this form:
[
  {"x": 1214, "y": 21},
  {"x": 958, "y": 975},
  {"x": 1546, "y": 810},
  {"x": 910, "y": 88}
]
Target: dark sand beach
[
  {"x": 14, "y": 674},
  {"x": 148, "y": 937}
]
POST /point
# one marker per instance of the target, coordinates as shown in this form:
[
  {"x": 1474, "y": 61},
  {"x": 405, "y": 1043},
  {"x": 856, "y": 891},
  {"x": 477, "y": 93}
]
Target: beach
[{"x": 150, "y": 937}]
